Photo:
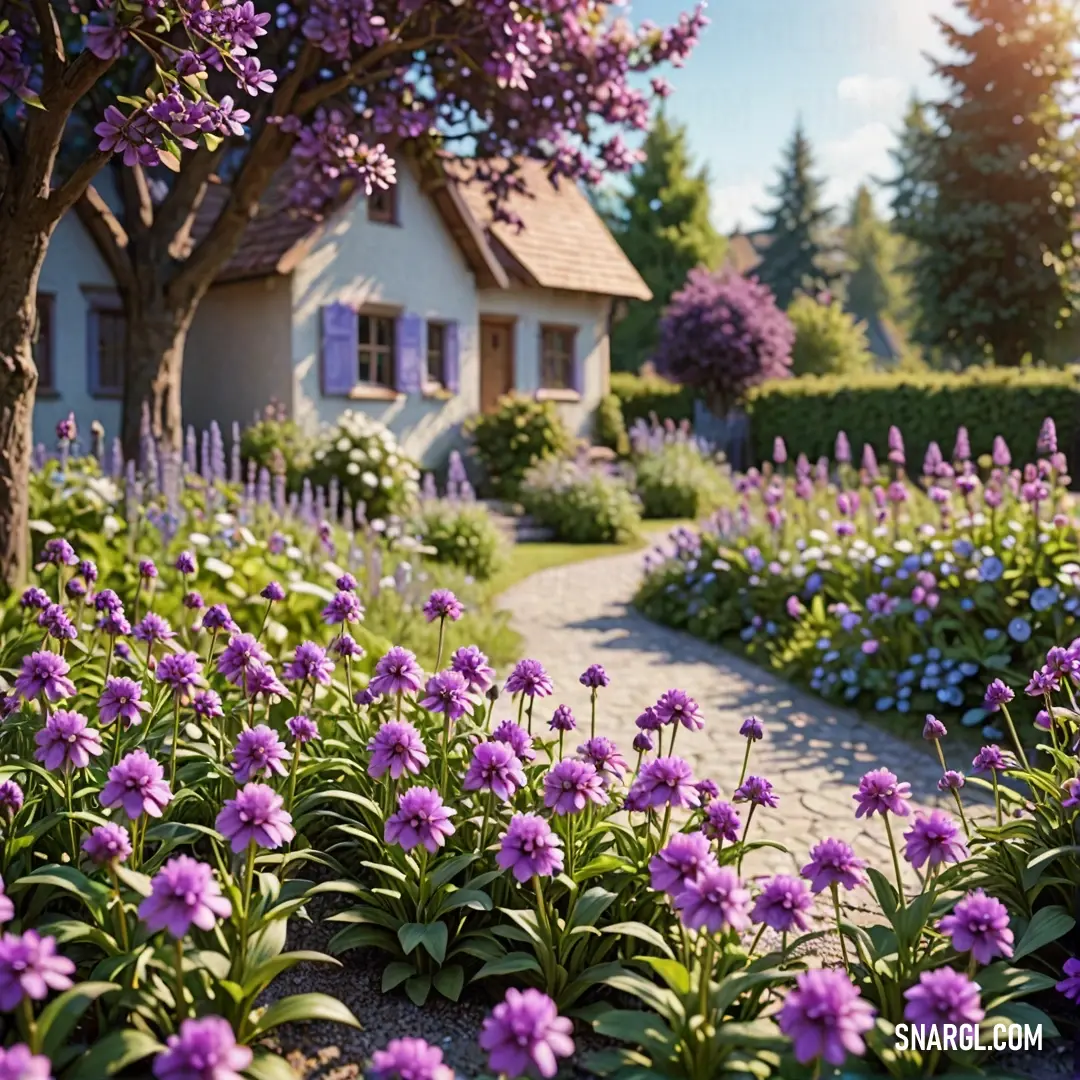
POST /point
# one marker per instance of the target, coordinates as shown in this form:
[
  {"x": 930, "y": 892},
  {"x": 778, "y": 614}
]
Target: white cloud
[
  {"x": 862, "y": 155},
  {"x": 736, "y": 206},
  {"x": 872, "y": 94}
]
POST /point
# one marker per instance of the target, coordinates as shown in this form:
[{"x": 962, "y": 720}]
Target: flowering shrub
[
  {"x": 518, "y": 435},
  {"x": 675, "y": 474},
  {"x": 828, "y": 339},
  {"x": 581, "y": 504},
  {"x": 363, "y": 457},
  {"x": 277, "y": 443}
]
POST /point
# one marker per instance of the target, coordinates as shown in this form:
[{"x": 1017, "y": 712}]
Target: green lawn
[{"x": 526, "y": 559}]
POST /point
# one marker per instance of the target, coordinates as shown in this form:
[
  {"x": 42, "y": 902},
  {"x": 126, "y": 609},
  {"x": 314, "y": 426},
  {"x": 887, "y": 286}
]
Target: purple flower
[
  {"x": 273, "y": 592},
  {"x": 571, "y": 785},
  {"x": 525, "y": 1034},
  {"x": 147, "y": 570},
  {"x": 116, "y": 625},
  {"x": 935, "y": 838},
  {"x": 471, "y": 663},
  {"x": 495, "y": 768},
  {"x": 1070, "y": 792},
  {"x": 1070, "y": 985},
  {"x": 1047, "y": 443},
  {"x": 933, "y": 729},
  {"x": 206, "y": 705},
  {"x": 942, "y": 997},
  {"x": 673, "y": 867},
  {"x": 185, "y": 563},
  {"x": 204, "y": 1049},
  {"x": 604, "y": 755},
  {"x": 397, "y": 673},
  {"x": 258, "y": 752},
  {"x": 721, "y": 821},
  {"x": 137, "y": 784},
  {"x": 238, "y": 657},
  {"x": 825, "y": 1017},
  {"x": 302, "y": 729},
  {"x": 182, "y": 672},
  {"x": 398, "y": 748},
  {"x": 666, "y": 781},
  {"x": 678, "y": 707},
  {"x": 421, "y": 818},
  {"x": 347, "y": 583},
  {"x": 309, "y": 662},
  {"x": 707, "y": 789},
  {"x": 54, "y": 620},
  {"x": 7, "y": 912},
  {"x": 517, "y": 737},
  {"x": 255, "y": 816},
  {"x": 75, "y": 589},
  {"x": 832, "y": 862},
  {"x": 715, "y": 900},
  {"x": 443, "y": 604},
  {"x": 951, "y": 780},
  {"x": 122, "y": 699},
  {"x": 66, "y": 742},
  {"x": 752, "y": 729},
  {"x": 649, "y": 720},
  {"x": 107, "y": 602},
  {"x": 757, "y": 790},
  {"x": 992, "y": 758},
  {"x": 107, "y": 844},
  {"x": 11, "y": 797},
  {"x": 997, "y": 694},
  {"x": 365, "y": 697},
  {"x": 217, "y": 617},
  {"x": 30, "y": 968},
  {"x": 529, "y": 678},
  {"x": 643, "y": 743},
  {"x": 58, "y": 552},
  {"x": 345, "y": 646},
  {"x": 880, "y": 791},
  {"x": 34, "y": 599},
  {"x": 344, "y": 608},
  {"x": 979, "y": 924},
  {"x": 18, "y": 1063},
  {"x": 529, "y": 847},
  {"x": 562, "y": 719},
  {"x": 783, "y": 904},
  {"x": 594, "y": 677},
  {"x": 44, "y": 673},
  {"x": 182, "y": 893},
  {"x": 409, "y": 1059},
  {"x": 263, "y": 681},
  {"x": 448, "y": 693}
]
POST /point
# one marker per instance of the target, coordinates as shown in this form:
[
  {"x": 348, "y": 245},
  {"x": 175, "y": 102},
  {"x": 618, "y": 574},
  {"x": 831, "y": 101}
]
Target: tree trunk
[
  {"x": 156, "y": 335},
  {"x": 21, "y": 256}
]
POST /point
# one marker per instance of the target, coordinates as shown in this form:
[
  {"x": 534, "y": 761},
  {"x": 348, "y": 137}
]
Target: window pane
[
  {"x": 110, "y": 345},
  {"x": 557, "y": 358},
  {"x": 384, "y": 331},
  {"x": 436, "y": 345},
  {"x": 42, "y": 342},
  {"x": 365, "y": 329}
]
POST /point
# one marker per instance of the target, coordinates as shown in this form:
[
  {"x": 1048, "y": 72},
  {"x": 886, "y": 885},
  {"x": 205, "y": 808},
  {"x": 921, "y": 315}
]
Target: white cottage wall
[{"x": 411, "y": 267}]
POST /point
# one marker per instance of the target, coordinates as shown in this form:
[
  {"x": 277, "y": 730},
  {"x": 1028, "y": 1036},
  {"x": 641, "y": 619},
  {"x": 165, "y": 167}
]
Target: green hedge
[
  {"x": 641, "y": 395},
  {"x": 809, "y": 411}
]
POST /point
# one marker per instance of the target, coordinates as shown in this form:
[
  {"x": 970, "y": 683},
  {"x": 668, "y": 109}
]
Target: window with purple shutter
[
  {"x": 411, "y": 363},
  {"x": 451, "y": 358},
  {"x": 340, "y": 343}
]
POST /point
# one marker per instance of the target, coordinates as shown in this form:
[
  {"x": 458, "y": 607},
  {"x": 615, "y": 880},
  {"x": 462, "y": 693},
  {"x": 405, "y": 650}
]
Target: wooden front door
[{"x": 496, "y": 361}]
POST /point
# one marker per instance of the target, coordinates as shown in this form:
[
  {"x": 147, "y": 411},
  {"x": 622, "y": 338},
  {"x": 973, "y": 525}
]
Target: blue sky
[{"x": 847, "y": 66}]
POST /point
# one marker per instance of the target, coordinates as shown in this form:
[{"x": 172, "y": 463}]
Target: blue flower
[
  {"x": 933, "y": 653},
  {"x": 963, "y": 548},
  {"x": 1019, "y": 630},
  {"x": 922, "y": 615},
  {"x": 915, "y": 659},
  {"x": 849, "y": 676},
  {"x": 954, "y": 678},
  {"x": 851, "y": 693},
  {"x": 969, "y": 668},
  {"x": 1044, "y": 599},
  {"x": 905, "y": 678},
  {"x": 932, "y": 669},
  {"x": 1072, "y": 604},
  {"x": 991, "y": 569},
  {"x": 850, "y": 621},
  {"x": 884, "y": 704},
  {"x": 947, "y": 664},
  {"x": 951, "y": 695},
  {"x": 823, "y": 643},
  {"x": 929, "y": 682},
  {"x": 818, "y": 672},
  {"x": 770, "y": 628},
  {"x": 815, "y": 684},
  {"x": 747, "y": 634},
  {"x": 992, "y": 634},
  {"x": 967, "y": 604},
  {"x": 831, "y": 656},
  {"x": 903, "y": 692},
  {"x": 813, "y": 583},
  {"x": 903, "y": 706}
]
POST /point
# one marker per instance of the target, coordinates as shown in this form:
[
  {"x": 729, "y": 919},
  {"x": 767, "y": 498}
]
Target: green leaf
[
  {"x": 302, "y": 1008},
  {"x": 448, "y": 870},
  {"x": 58, "y": 1019},
  {"x": 418, "y": 988},
  {"x": 1046, "y": 925},
  {"x": 362, "y": 937},
  {"x": 511, "y": 964},
  {"x": 636, "y": 1027},
  {"x": 267, "y": 943},
  {"x": 266, "y": 1065},
  {"x": 411, "y": 934},
  {"x": 1025, "y": 1014},
  {"x": 671, "y": 971},
  {"x": 435, "y": 940},
  {"x": 112, "y": 1053},
  {"x": 590, "y": 905},
  {"x": 270, "y": 969},
  {"x": 1053, "y": 853},
  {"x": 450, "y": 980},
  {"x": 886, "y": 895},
  {"x": 395, "y": 973},
  {"x": 642, "y": 933},
  {"x": 470, "y": 898}
]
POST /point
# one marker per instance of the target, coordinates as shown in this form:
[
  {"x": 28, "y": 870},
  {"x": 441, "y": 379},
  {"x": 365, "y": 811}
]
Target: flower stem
[
  {"x": 745, "y": 762},
  {"x": 245, "y": 916},
  {"x": 175, "y": 740},
  {"x": 1015, "y": 738},
  {"x": 292, "y": 776},
  {"x": 745, "y": 834},
  {"x": 532, "y": 701},
  {"x": 30, "y": 1023},
  {"x": 442, "y": 638},
  {"x": 960, "y": 810},
  {"x": 997, "y": 795},
  {"x": 706, "y": 977},
  {"x": 181, "y": 996},
  {"x": 757, "y": 938},
  {"x": 895, "y": 858},
  {"x": 592, "y": 729},
  {"x": 839, "y": 929},
  {"x": 121, "y": 916},
  {"x": 445, "y": 755},
  {"x": 69, "y": 798}
]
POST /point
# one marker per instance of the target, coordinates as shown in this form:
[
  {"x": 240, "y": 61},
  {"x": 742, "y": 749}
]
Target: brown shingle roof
[{"x": 564, "y": 244}]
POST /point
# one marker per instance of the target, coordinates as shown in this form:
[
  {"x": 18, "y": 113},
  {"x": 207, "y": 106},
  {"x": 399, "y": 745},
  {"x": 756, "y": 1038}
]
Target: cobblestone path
[{"x": 814, "y": 754}]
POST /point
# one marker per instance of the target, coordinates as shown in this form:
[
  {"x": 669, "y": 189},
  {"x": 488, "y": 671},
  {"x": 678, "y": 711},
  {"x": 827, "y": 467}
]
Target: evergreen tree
[
  {"x": 794, "y": 259},
  {"x": 873, "y": 288},
  {"x": 989, "y": 199},
  {"x": 664, "y": 227}
]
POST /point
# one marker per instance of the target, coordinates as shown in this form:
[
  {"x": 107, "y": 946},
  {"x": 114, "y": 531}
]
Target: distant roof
[
  {"x": 745, "y": 250},
  {"x": 564, "y": 245}
]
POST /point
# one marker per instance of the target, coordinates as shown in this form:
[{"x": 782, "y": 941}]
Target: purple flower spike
[
  {"x": 66, "y": 742},
  {"x": 19, "y": 1063},
  {"x": 934, "y": 839},
  {"x": 137, "y": 785},
  {"x": 443, "y": 604},
  {"x": 832, "y": 862},
  {"x": 525, "y": 1034},
  {"x": 258, "y": 752},
  {"x": 673, "y": 868},
  {"x": 183, "y": 893},
  {"x": 255, "y": 816},
  {"x": 825, "y": 1017},
  {"x": 495, "y": 768},
  {"x": 571, "y": 785},
  {"x": 471, "y": 663},
  {"x": 752, "y": 729},
  {"x": 715, "y": 900},
  {"x": 421, "y": 819},
  {"x": 678, "y": 707},
  {"x": 757, "y": 790},
  {"x": 722, "y": 821},
  {"x": 30, "y": 968},
  {"x": 979, "y": 924},
  {"x": 107, "y": 844},
  {"x": 881, "y": 792},
  {"x": 44, "y": 673},
  {"x": 122, "y": 699},
  {"x": 396, "y": 748},
  {"x": 397, "y": 673},
  {"x": 409, "y": 1059},
  {"x": 204, "y": 1049},
  {"x": 594, "y": 677},
  {"x": 530, "y": 848},
  {"x": 783, "y": 905},
  {"x": 943, "y": 997},
  {"x": 529, "y": 678},
  {"x": 447, "y": 693}
]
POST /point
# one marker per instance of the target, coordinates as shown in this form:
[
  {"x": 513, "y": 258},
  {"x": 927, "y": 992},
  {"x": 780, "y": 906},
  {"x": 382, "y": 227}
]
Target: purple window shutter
[
  {"x": 409, "y": 363},
  {"x": 451, "y": 361},
  {"x": 340, "y": 350}
]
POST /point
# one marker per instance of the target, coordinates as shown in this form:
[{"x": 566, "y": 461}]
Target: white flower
[
  {"x": 352, "y": 469},
  {"x": 369, "y": 479},
  {"x": 357, "y": 454},
  {"x": 343, "y": 445},
  {"x": 387, "y": 482},
  {"x": 216, "y": 566}
]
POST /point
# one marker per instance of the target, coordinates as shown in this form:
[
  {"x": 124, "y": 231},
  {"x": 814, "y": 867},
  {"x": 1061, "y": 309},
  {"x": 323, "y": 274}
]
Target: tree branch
[
  {"x": 108, "y": 235},
  {"x": 178, "y": 208},
  {"x": 53, "y": 57},
  {"x": 68, "y": 194}
]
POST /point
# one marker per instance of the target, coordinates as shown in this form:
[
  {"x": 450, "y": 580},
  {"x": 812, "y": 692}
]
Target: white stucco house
[{"x": 411, "y": 306}]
